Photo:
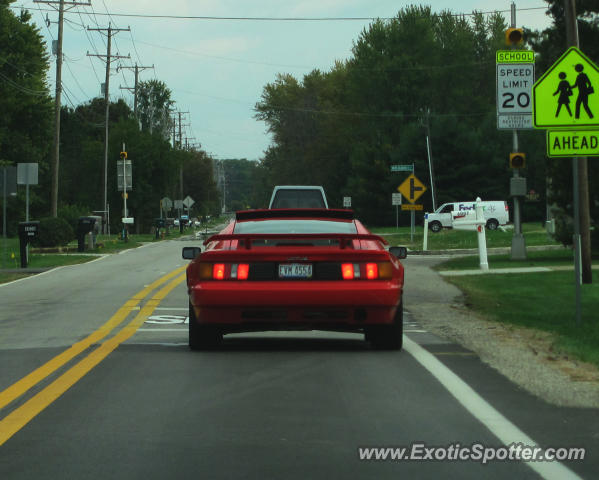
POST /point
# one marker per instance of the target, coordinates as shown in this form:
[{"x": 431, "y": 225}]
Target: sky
[{"x": 217, "y": 68}]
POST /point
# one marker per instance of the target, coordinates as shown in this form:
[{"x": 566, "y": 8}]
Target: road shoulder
[{"x": 525, "y": 356}]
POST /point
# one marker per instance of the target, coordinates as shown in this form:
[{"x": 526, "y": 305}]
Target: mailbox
[
  {"x": 27, "y": 232},
  {"x": 158, "y": 224},
  {"x": 87, "y": 225}
]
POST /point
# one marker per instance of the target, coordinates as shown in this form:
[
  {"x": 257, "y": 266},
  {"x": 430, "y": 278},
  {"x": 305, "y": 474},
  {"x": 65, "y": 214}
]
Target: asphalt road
[{"x": 133, "y": 402}]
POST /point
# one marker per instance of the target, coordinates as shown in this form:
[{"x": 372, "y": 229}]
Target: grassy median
[
  {"x": 544, "y": 301},
  {"x": 458, "y": 239},
  {"x": 563, "y": 257}
]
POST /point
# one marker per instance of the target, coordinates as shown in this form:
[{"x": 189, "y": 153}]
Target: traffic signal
[
  {"x": 123, "y": 155},
  {"x": 514, "y": 36},
  {"x": 517, "y": 160}
]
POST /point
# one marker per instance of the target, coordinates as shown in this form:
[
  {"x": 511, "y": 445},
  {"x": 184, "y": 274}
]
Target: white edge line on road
[{"x": 499, "y": 426}]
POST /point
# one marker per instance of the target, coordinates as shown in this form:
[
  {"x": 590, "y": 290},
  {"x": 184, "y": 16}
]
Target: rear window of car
[
  {"x": 290, "y": 198},
  {"x": 295, "y": 226}
]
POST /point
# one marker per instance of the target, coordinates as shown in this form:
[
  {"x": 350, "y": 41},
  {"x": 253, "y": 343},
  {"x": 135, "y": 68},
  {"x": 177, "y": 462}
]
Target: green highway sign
[
  {"x": 515, "y": 56},
  {"x": 566, "y": 96},
  {"x": 402, "y": 168},
  {"x": 573, "y": 143}
]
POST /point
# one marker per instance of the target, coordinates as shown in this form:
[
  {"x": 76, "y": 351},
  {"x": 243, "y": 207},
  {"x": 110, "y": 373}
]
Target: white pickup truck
[
  {"x": 496, "y": 213},
  {"x": 298, "y": 196}
]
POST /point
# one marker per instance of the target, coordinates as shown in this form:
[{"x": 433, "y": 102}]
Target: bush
[
  {"x": 564, "y": 228},
  {"x": 54, "y": 232},
  {"x": 71, "y": 214}
]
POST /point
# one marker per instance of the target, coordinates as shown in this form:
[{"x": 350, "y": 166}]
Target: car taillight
[
  {"x": 243, "y": 271},
  {"x": 218, "y": 271},
  {"x": 347, "y": 271},
  {"x": 385, "y": 270},
  {"x": 223, "y": 271},
  {"x": 372, "y": 271}
]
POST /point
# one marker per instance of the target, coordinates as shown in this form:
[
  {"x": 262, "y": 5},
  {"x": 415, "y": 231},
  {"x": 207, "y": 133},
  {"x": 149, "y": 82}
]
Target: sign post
[
  {"x": 9, "y": 187},
  {"x": 396, "y": 200},
  {"x": 412, "y": 189}
]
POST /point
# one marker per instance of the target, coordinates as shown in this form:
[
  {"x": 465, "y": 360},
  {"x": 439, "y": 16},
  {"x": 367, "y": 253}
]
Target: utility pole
[
  {"x": 108, "y": 57},
  {"x": 181, "y": 146},
  {"x": 582, "y": 227},
  {"x": 518, "y": 250},
  {"x": 429, "y": 151},
  {"x": 136, "y": 69},
  {"x": 62, "y": 5}
]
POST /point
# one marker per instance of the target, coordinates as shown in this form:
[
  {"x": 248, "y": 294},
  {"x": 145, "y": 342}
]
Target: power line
[{"x": 285, "y": 19}]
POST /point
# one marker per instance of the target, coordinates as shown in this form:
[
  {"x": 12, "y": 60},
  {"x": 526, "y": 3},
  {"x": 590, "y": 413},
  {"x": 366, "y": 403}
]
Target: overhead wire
[{"x": 286, "y": 19}]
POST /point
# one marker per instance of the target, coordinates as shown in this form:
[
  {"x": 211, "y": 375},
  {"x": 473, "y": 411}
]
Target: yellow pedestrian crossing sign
[
  {"x": 567, "y": 95},
  {"x": 411, "y": 188}
]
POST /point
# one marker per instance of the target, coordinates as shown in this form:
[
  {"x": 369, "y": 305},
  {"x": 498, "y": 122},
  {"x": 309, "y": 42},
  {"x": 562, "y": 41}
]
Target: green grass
[
  {"x": 563, "y": 257},
  {"x": 458, "y": 239},
  {"x": 544, "y": 301}
]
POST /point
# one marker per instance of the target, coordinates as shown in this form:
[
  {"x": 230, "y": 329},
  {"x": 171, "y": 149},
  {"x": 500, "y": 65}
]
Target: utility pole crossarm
[
  {"x": 66, "y": 3},
  {"x": 133, "y": 89}
]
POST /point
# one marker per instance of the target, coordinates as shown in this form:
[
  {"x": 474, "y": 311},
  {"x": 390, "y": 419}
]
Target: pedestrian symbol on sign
[
  {"x": 583, "y": 84},
  {"x": 565, "y": 92}
]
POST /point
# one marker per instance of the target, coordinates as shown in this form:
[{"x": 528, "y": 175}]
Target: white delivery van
[{"x": 496, "y": 213}]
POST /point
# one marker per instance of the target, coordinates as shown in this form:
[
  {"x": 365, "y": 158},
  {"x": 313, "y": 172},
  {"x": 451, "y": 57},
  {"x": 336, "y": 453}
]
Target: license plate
[{"x": 295, "y": 270}]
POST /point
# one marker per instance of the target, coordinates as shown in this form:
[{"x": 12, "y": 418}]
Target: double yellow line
[{"x": 22, "y": 415}]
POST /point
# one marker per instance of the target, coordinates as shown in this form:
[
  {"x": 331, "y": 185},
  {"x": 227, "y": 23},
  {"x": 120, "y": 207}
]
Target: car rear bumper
[{"x": 296, "y": 304}]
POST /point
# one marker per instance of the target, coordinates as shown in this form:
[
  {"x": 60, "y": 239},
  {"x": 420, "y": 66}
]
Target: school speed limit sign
[{"x": 514, "y": 87}]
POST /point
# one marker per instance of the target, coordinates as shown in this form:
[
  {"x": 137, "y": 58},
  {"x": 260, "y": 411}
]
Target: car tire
[
  {"x": 435, "y": 226},
  {"x": 387, "y": 337},
  {"x": 492, "y": 224},
  {"x": 202, "y": 337}
]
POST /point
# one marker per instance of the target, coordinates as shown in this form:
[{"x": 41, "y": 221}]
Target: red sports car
[{"x": 300, "y": 269}]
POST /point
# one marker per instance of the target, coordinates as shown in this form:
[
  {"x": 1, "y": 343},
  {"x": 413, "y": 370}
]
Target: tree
[
  {"x": 25, "y": 103},
  {"x": 154, "y": 106}
]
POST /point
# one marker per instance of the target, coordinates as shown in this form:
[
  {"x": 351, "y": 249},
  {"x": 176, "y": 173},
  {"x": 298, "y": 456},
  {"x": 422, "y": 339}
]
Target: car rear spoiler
[
  {"x": 319, "y": 213},
  {"x": 344, "y": 239}
]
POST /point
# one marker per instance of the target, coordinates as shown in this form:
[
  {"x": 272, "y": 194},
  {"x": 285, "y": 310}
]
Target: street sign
[
  {"x": 188, "y": 201},
  {"x": 8, "y": 175},
  {"x": 515, "y": 56},
  {"x": 346, "y": 202},
  {"x": 178, "y": 204},
  {"x": 167, "y": 203},
  {"x": 515, "y": 77},
  {"x": 561, "y": 96},
  {"x": 412, "y": 206},
  {"x": 27, "y": 173},
  {"x": 396, "y": 199},
  {"x": 573, "y": 143},
  {"x": 412, "y": 188},
  {"x": 514, "y": 122},
  {"x": 123, "y": 172},
  {"x": 514, "y": 84},
  {"x": 402, "y": 168}
]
